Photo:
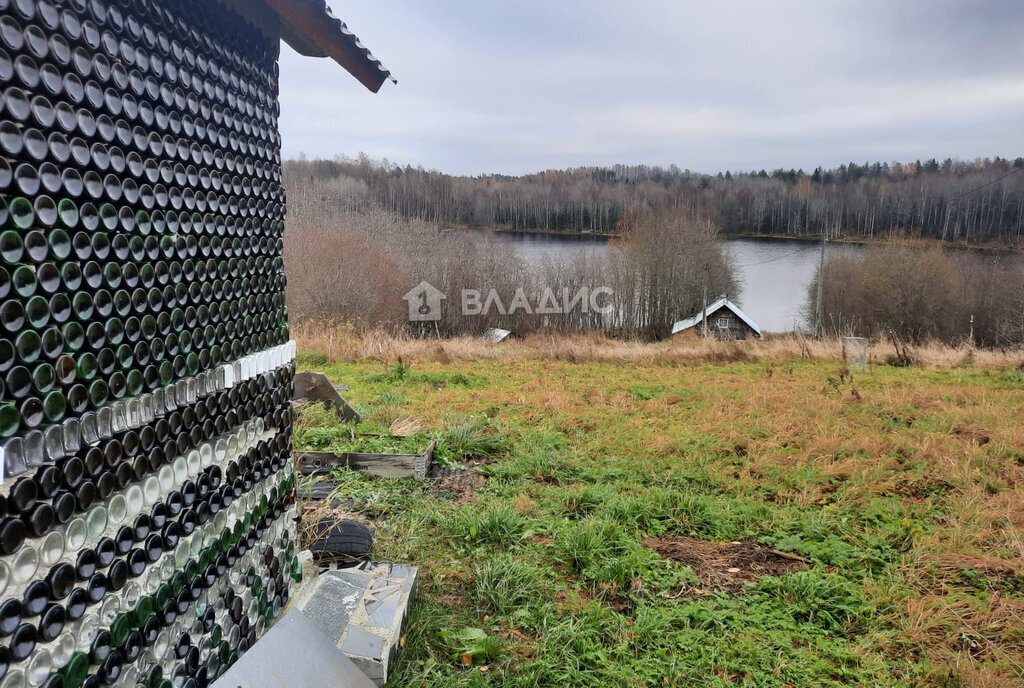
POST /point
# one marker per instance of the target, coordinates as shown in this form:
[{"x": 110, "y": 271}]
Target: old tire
[{"x": 341, "y": 541}]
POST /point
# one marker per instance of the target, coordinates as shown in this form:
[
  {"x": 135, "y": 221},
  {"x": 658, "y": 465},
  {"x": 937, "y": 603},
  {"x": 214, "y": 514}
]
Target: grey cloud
[{"x": 518, "y": 87}]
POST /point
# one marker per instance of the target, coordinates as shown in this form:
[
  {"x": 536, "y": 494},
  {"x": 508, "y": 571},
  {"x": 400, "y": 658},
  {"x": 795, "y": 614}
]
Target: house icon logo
[{"x": 424, "y": 303}]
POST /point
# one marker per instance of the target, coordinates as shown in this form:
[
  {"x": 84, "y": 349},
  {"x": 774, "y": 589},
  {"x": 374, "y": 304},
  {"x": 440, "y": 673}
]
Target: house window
[{"x": 723, "y": 323}]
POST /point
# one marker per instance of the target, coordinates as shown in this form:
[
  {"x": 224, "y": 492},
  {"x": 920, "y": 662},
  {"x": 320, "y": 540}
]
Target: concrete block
[
  {"x": 362, "y": 611},
  {"x": 294, "y": 653}
]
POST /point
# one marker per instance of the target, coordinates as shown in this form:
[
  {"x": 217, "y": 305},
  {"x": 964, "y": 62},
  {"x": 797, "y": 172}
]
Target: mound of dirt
[
  {"x": 459, "y": 485},
  {"x": 726, "y": 567}
]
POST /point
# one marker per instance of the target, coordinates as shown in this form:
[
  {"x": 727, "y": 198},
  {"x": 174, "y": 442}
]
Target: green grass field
[{"x": 903, "y": 488}]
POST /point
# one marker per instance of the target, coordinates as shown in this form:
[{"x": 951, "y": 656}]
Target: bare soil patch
[
  {"x": 726, "y": 567},
  {"x": 460, "y": 486},
  {"x": 974, "y": 434}
]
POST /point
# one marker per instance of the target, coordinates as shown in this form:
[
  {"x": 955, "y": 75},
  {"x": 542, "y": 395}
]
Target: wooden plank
[
  {"x": 383, "y": 465},
  {"x": 423, "y": 462}
]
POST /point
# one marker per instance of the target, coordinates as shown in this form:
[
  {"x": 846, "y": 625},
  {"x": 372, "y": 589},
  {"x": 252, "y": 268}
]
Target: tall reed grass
[{"x": 343, "y": 342}]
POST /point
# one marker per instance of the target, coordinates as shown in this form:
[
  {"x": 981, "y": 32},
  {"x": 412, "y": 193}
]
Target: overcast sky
[{"x": 518, "y": 86}]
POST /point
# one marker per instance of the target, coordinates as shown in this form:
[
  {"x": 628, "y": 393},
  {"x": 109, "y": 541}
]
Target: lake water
[{"x": 774, "y": 275}]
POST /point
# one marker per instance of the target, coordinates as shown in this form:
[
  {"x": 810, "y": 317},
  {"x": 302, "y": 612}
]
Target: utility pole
[
  {"x": 704, "y": 315},
  {"x": 819, "y": 318}
]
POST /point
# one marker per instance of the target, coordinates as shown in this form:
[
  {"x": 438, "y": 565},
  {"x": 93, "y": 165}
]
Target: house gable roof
[{"x": 723, "y": 302}]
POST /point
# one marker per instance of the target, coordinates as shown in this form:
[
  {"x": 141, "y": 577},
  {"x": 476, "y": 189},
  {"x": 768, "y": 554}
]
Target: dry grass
[
  {"x": 406, "y": 426},
  {"x": 906, "y": 483},
  {"x": 343, "y": 343}
]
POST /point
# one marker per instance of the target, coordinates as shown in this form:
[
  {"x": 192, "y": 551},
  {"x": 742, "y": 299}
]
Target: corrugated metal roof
[
  {"x": 348, "y": 36},
  {"x": 723, "y": 302},
  {"x": 311, "y": 28}
]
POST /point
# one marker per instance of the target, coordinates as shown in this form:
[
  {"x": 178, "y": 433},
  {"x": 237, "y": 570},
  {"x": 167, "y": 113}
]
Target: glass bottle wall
[{"x": 146, "y": 513}]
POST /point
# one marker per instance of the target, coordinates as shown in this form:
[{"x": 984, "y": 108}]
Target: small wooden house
[{"x": 725, "y": 321}]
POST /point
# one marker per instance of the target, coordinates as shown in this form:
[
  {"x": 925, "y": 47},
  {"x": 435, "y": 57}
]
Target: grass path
[{"x": 903, "y": 487}]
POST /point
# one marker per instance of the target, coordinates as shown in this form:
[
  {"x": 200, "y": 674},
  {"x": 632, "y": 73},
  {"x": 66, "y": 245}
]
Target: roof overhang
[{"x": 311, "y": 29}]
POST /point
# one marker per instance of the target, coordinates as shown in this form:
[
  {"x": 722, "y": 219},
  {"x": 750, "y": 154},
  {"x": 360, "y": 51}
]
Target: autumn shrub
[{"x": 917, "y": 293}]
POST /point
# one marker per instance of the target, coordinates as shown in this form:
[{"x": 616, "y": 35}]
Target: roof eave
[{"x": 313, "y": 32}]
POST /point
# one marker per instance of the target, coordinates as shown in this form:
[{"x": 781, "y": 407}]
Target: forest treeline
[
  {"x": 350, "y": 258},
  {"x": 967, "y": 202}
]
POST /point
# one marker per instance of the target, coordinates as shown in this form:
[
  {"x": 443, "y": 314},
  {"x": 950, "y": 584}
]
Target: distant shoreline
[
  {"x": 542, "y": 232},
  {"x": 856, "y": 241},
  {"x": 869, "y": 241}
]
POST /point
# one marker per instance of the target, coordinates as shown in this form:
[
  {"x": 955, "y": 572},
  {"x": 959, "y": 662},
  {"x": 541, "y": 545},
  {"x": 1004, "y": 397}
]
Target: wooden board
[{"x": 383, "y": 465}]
